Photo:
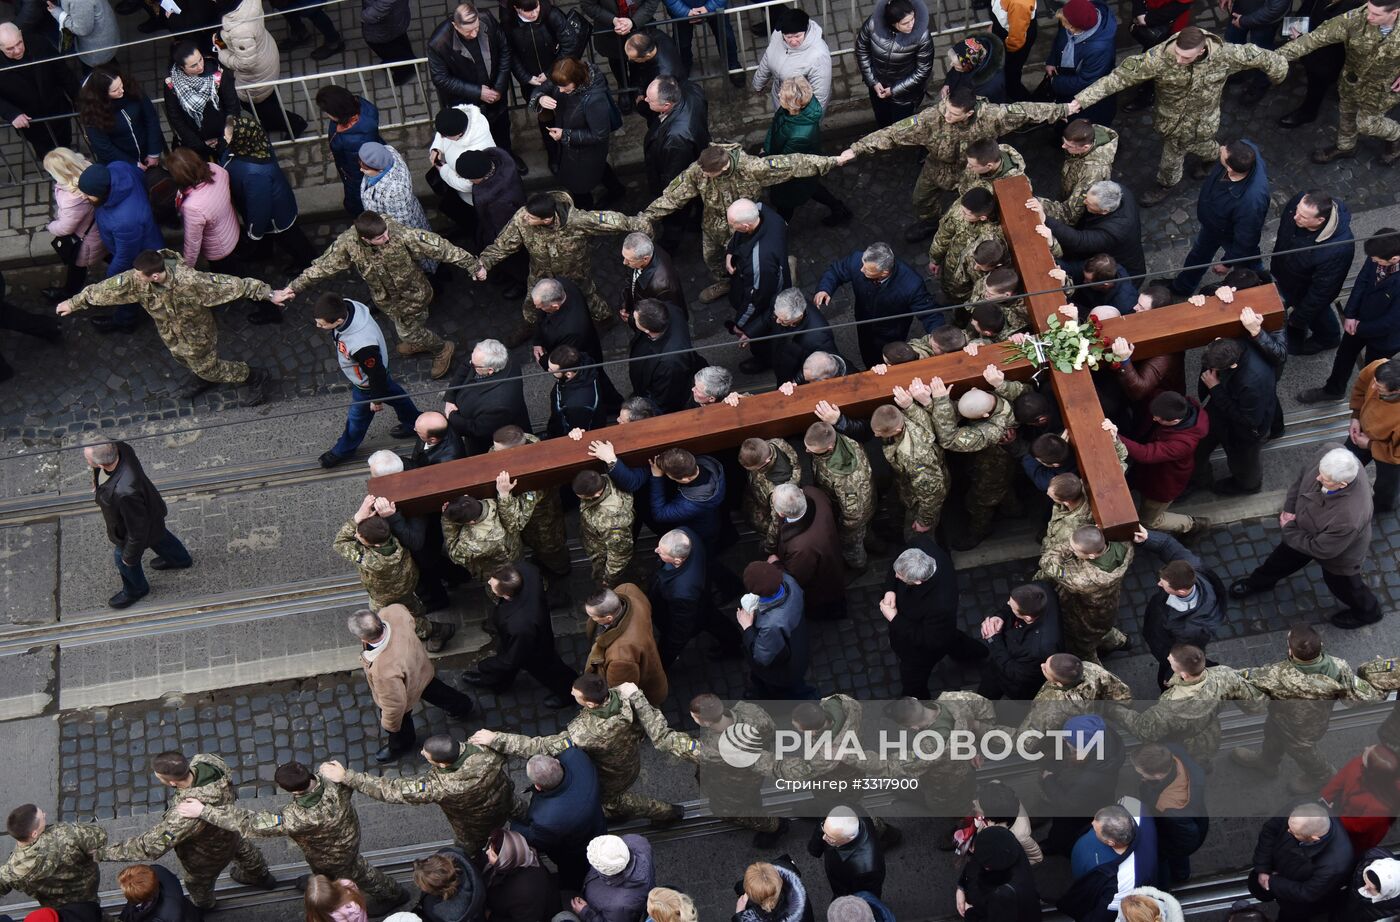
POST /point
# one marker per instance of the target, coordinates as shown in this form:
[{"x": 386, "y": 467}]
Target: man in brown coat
[
  {"x": 1375, "y": 427},
  {"x": 809, "y": 548},
  {"x": 400, "y": 674},
  {"x": 1326, "y": 517},
  {"x": 624, "y": 648}
]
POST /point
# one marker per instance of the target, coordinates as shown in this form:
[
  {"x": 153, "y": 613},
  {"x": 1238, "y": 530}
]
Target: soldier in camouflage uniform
[
  {"x": 842, "y": 470},
  {"x": 605, "y": 728},
  {"x": 734, "y": 793},
  {"x": 389, "y": 258},
  {"x": 1002, "y": 160},
  {"x": 543, "y": 511},
  {"x": 947, "y": 786},
  {"x": 1189, "y": 71},
  {"x": 982, "y": 436},
  {"x": 920, "y": 476},
  {"x": 1073, "y": 686},
  {"x": 1370, "y": 77},
  {"x": 720, "y": 177},
  {"x": 770, "y": 464},
  {"x": 178, "y": 299},
  {"x": 52, "y": 864},
  {"x": 1001, "y": 285},
  {"x": 555, "y": 234},
  {"x": 203, "y": 850},
  {"x": 388, "y": 572},
  {"x": 838, "y": 715},
  {"x": 1089, "y": 153},
  {"x": 484, "y": 534},
  {"x": 1088, "y": 577},
  {"x": 1188, "y": 713},
  {"x": 945, "y": 130},
  {"x": 1069, "y": 512},
  {"x": 605, "y": 518},
  {"x": 320, "y": 820},
  {"x": 1301, "y": 690},
  {"x": 469, "y": 784},
  {"x": 968, "y": 222}
]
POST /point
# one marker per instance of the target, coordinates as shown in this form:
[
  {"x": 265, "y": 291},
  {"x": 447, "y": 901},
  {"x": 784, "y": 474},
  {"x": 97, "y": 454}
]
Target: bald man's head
[
  {"x": 976, "y": 404},
  {"x": 1309, "y": 822},
  {"x": 430, "y": 427},
  {"x": 11, "y": 41},
  {"x": 1105, "y": 312},
  {"x": 743, "y": 213}
]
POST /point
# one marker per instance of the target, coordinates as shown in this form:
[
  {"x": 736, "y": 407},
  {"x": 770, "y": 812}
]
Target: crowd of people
[{"x": 924, "y": 473}]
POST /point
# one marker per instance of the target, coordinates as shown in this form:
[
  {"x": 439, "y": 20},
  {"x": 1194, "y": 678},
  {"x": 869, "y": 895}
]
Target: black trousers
[
  {"x": 1351, "y": 590},
  {"x": 1015, "y": 65},
  {"x": 1387, "y": 477},
  {"x": 916, "y": 664},
  {"x": 396, "y": 49},
  {"x": 1241, "y": 457},
  {"x": 544, "y": 666},
  {"x": 45, "y": 136},
  {"x": 888, "y": 111},
  {"x": 995, "y": 685},
  {"x": 1344, "y": 362},
  {"x": 1322, "y": 68},
  {"x": 1288, "y": 912},
  {"x": 274, "y": 118},
  {"x": 440, "y": 694}
]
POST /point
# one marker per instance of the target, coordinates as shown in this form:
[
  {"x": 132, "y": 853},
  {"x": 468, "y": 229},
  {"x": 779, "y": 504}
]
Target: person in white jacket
[
  {"x": 459, "y": 129},
  {"x": 1148, "y": 904},
  {"x": 248, "y": 50},
  {"x": 796, "y": 49}
]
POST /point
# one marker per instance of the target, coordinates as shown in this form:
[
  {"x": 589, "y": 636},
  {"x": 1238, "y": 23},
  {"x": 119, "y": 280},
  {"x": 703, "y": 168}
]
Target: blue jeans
[
  {"x": 717, "y": 21},
  {"x": 1265, "y": 37},
  {"x": 134, "y": 578},
  {"x": 359, "y": 415},
  {"x": 1203, "y": 250}
]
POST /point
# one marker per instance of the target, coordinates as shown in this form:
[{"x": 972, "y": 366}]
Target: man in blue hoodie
[
  {"x": 1231, "y": 208},
  {"x": 126, "y": 225},
  {"x": 694, "y": 497},
  {"x": 1312, "y": 256}
]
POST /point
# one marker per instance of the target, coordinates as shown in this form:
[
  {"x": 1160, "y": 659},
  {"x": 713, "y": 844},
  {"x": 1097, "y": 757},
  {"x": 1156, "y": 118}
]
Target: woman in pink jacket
[
  {"x": 206, "y": 209},
  {"x": 73, "y": 216}
]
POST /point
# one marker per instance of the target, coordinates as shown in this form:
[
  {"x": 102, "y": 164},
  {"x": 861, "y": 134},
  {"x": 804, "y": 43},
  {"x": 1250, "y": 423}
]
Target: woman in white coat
[{"x": 249, "y": 50}]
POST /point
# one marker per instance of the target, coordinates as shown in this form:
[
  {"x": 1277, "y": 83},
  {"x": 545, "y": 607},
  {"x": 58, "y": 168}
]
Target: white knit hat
[{"x": 608, "y": 855}]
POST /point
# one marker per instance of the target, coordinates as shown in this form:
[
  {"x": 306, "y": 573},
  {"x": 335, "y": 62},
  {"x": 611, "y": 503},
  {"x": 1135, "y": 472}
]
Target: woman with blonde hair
[
  {"x": 74, "y": 226},
  {"x": 772, "y": 893},
  {"x": 667, "y": 905},
  {"x": 1148, "y": 904},
  {"x": 797, "y": 129},
  {"x": 334, "y": 900}
]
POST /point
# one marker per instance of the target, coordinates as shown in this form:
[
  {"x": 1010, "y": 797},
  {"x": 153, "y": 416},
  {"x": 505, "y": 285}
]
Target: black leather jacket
[
  {"x": 131, "y": 505},
  {"x": 673, "y": 143},
  {"x": 535, "y": 46},
  {"x": 459, "y": 75},
  {"x": 902, "y": 63}
]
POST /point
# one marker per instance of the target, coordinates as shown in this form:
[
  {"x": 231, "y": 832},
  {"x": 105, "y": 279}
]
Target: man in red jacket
[{"x": 1164, "y": 459}]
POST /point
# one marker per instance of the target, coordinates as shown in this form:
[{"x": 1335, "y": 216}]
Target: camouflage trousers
[
  {"x": 1279, "y": 740},
  {"x": 471, "y": 830},
  {"x": 422, "y": 627},
  {"x": 935, "y": 178},
  {"x": 1174, "y": 151},
  {"x": 597, "y": 308},
  {"x": 992, "y": 474},
  {"x": 249, "y": 867},
  {"x": 628, "y": 805},
  {"x": 598, "y": 558},
  {"x": 931, "y": 507},
  {"x": 546, "y": 538},
  {"x": 853, "y": 542},
  {"x": 410, "y": 323},
  {"x": 714, "y": 239},
  {"x": 207, "y": 365},
  {"x": 1362, "y": 112},
  {"x": 1089, "y": 628},
  {"x": 381, "y": 891}
]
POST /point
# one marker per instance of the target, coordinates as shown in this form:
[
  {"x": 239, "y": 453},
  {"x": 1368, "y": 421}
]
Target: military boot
[
  {"x": 1328, "y": 154},
  {"x": 438, "y": 639},
  {"x": 442, "y": 362},
  {"x": 254, "y": 388},
  {"x": 1254, "y": 760},
  {"x": 1392, "y": 154}
]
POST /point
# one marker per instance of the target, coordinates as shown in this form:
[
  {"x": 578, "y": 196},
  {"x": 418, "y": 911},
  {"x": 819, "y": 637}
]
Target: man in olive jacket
[{"x": 135, "y": 516}]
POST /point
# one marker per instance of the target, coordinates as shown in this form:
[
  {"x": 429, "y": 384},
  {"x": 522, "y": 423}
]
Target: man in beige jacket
[{"x": 399, "y": 674}]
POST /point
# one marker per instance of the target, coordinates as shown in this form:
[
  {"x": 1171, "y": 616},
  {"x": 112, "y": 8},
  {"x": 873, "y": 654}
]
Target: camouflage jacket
[
  {"x": 947, "y": 143},
  {"x": 952, "y": 250},
  {"x": 844, "y": 713},
  {"x": 560, "y": 248},
  {"x": 608, "y": 733},
  {"x": 1016, "y": 310},
  {"x": 852, "y": 489},
  {"x": 1077, "y": 174},
  {"x": 192, "y": 840},
  {"x": 758, "y": 490},
  {"x": 180, "y": 305},
  {"x": 1053, "y": 705},
  {"x": 1188, "y": 98},
  {"x": 957, "y": 710},
  {"x": 746, "y": 177},
  {"x": 543, "y": 510},
  {"x": 1063, "y": 522},
  {"x": 973, "y": 435},
  {"x": 393, "y": 271},
  {"x": 1012, "y": 164},
  {"x": 322, "y": 822},
  {"x": 57, "y": 867},
  {"x": 1381, "y": 673},
  {"x": 1372, "y": 59},
  {"x": 476, "y": 785},
  {"x": 1327, "y": 678},
  {"x": 920, "y": 474},
  {"x": 387, "y": 572},
  {"x": 605, "y": 529},
  {"x": 1188, "y": 711},
  {"x": 712, "y": 771},
  {"x": 1084, "y": 578},
  {"x": 490, "y": 542}
]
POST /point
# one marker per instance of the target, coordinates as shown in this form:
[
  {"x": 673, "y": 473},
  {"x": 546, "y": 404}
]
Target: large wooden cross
[{"x": 1165, "y": 330}]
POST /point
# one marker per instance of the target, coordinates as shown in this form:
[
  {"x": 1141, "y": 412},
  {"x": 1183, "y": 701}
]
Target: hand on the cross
[
  {"x": 1140, "y": 535},
  {"x": 482, "y": 737},
  {"x": 972, "y": 348},
  {"x": 332, "y": 771},
  {"x": 881, "y": 369},
  {"x": 888, "y": 608},
  {"x": 733, "y": 397},
  {"x": 603, "y": 451},
  {"x": 828, "y": 412},
  {"x": 1017, "y": 338},
  {"x": 821, "y": 298},
  {"x": 576, "y": 434},
  {"x": 1210, "y": 378},
  {"x": 1109, "y": 426},
  {"x": 366, "y": 509},
  {"x": 993, "y": 376},
  {"x": 1059, "y": 275},
  {"x": 384, "y": 507},
  {"x": 1033, "y": 204},
  {"x": 655, "y": 468},
  {"x": 1197, "y": 300},
  {"x": 504, "y": 484},
  {"x": 1045, "y": 232},
  {"x": 902, "y": 398},
  {"x": 787, "y": 388},
  {"x": 1070, "y": 311},
  {"x": 1253, "y": 323},
  {"x": 190, "y": 809},
  {"x": 1225, "y": 293},
  {"x": 935, "y": 388},
  {"x": 1122, "y": 349}
]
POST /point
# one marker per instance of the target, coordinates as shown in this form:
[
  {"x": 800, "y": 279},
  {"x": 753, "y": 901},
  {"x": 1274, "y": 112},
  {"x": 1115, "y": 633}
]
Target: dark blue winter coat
[
  {"x": 1243, "y": 404},
  {"x": 571, "y": 815},
  {"x": 134, "y": 135},
  {"x": 1374, "y": 303},
  {"x": 904, "y": 291},
  {"x": 1093, "y": 58},
  {"x": 1234, "y": 212},
  {"x": 345, "y": 148},
  {"x": 262, "y": 194},
  {"x": 1312, "y": 278},
  {"x": 698, "y": 505},
  {"x": 124, "y": 219}
]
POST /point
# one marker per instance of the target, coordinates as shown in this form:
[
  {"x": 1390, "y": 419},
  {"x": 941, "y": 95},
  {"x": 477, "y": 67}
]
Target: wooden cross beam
[{"x": 554, "y": 462}]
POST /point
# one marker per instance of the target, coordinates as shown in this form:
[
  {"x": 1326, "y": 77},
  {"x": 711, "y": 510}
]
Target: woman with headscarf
[
  {"x": 200, "y": 96},
  {"x": 518, "y": 888},
  {"x": 1375, "y": 892},
  {"x": 996, "y": 883},
  {"x": 1365, "y": 797},
  {"x": 262, "y": 194},
  {"x": 977, "y": 62}
]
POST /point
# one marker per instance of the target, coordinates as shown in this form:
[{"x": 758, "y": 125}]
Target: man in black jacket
[
  {"x": 678, "y": 133},
  {"x": 757, "y": 258},
  {"x": 564, "y": 320},
  {"x": 804, "y": 332},
  {"x": 1243, "y": 395},
  {"x": 583, "y": 397},
  {"x": 682, "y": 602},
  {"x": 437, "y": 442},
  {"x": 35, "y": 86},
  {"x": 1312, "y": 256},
  {"x": 1190, "y": 606},
  {"x": 485, "y": 394},
  {"x": 524, "y": 637},
  {"x": 469, "y": 61},
  {"x": 651, "y": 54},
  {"x": 663, "y": 365},
  {"x": 135, "y": 517},
  {"x": 921, "y": 606},
  {"x": 497, "y": 194},
  {"x": 851, "y": 853},
  {"x": 1110, "y": 224},
  {"x": 1302, "y": 862},
  {"x": 651, "y": 274},
  {"x": 1019, "y": 641}
]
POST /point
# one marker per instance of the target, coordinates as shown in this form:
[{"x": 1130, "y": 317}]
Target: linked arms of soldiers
[
  {"x": 388, "y": 790},
  {"x": 663, "y": 737},
  {"x": 262, "y": 823}
]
